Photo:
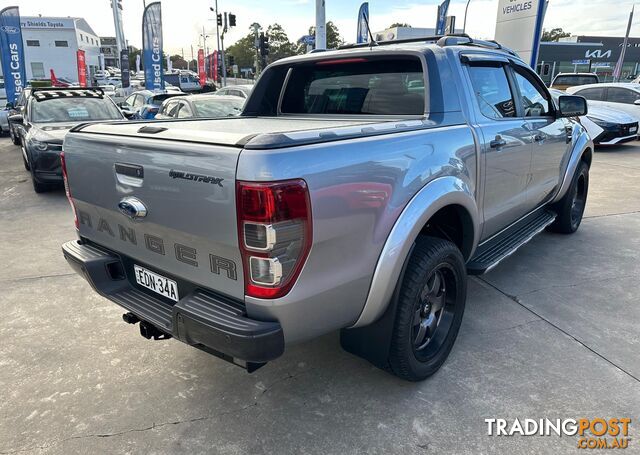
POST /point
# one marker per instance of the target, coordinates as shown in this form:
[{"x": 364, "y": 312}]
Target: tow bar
[{"x": 147, "y": 330}]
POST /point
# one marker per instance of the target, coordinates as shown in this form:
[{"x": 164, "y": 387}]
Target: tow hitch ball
[{"x": 147, "y": 330}]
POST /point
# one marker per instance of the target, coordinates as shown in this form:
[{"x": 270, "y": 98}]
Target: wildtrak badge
[{"x": 195, "y": 177}]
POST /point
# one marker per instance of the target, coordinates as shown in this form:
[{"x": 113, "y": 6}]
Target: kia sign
[
  {"x": 82, "y": 68},
  {"x": 12, "y": 53},
  {"x": 519, "y": 27},
  {"x": 152, "y": 47}
]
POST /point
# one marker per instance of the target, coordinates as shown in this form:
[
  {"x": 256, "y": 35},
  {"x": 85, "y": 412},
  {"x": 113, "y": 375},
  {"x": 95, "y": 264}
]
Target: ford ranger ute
[{"x": 356, "y": 191}]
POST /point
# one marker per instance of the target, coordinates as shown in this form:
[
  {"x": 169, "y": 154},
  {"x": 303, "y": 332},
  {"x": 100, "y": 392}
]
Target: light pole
[
  {"x": 218, "y": 38},
  {"x": 321, "y": 25},
  {"x": 464, "y": 25}
]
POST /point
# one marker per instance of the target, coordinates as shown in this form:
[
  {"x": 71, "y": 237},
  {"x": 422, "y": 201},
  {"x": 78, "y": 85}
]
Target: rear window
[
  {"x": 73, "y": 110},
  {"x": 356, "y": 86},
  {"x": 575, "y": 80},
  {"x": 158, "y": 99}
]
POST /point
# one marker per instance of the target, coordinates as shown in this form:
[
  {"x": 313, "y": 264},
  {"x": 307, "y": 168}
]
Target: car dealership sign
[{"x": 519, "y": 27}]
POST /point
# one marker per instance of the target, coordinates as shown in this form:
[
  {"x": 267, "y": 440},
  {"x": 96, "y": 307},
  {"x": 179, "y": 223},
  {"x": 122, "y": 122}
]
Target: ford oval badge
[
  {"x": 132, "y": 207},
  {"x": 10, "y": 29}
]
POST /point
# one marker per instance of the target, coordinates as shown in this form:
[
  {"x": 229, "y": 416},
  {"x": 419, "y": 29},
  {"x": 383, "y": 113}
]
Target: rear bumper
[{"x": 202, "y": 319}]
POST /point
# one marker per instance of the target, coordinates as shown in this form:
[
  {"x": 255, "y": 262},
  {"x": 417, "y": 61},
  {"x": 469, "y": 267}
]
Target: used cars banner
[
  {"x": 12, "y": 53},
  {"x": 152, "y": 47}
]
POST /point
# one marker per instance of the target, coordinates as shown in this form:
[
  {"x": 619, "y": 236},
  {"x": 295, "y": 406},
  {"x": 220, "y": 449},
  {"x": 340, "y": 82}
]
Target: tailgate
[{"x": 188, "y": 190}]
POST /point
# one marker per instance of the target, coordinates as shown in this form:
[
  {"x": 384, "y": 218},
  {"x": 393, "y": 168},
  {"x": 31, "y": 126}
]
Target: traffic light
[
  {"x": 264, "y": 45},
  {"x": 232, "y": 20},
  {"x": 219, "y": 18},
  {"x": 232, "y": 60}
]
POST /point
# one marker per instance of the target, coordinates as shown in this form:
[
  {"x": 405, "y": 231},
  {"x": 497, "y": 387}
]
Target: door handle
[{"x": 497, "y": 143}]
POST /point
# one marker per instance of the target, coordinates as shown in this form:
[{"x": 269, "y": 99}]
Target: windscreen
[
  {"x": 73, "y": 110},
  {"x": 356, "y": 86},
  {"x": 218, "y": 108}
]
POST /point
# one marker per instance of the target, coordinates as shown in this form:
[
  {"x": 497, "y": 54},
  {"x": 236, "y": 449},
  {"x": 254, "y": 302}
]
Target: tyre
[
  {"x": 430, "y": 306},
  {"x": 571, "y": 207},
  {"x": 24, "y": 160},
  {"x": 14, "y": 137},
  {"x": 37, "y": 186}
]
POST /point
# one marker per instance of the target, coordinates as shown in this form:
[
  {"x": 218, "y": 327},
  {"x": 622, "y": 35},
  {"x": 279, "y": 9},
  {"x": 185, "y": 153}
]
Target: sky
[{"x": 183, "y": 20}]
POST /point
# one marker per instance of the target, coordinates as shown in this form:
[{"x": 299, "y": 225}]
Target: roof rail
[
  {"x": 453, "y": 39},
  {"x": 59, "y": 89}
]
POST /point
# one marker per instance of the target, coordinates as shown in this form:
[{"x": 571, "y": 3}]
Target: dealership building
[
  {"x": 588, "y": 54},
  {"x": 53, "y": 43}
]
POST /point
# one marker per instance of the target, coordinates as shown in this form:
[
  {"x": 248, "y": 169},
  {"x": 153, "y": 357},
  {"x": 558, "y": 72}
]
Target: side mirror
[
  {"x": 572, "y": 106},
  {"x": 9, "y": 105},
  {"x": 16, "y": 118}
]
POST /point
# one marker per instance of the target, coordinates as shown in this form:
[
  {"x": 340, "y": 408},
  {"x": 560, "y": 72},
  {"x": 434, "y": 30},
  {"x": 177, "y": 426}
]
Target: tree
[
  {"x": 399, "y": 24},
  {"x": 243, "y": 51},
  {"x": 554, "y": 34},
  {"x": 178, "y": 62},
  {"x": 279, "y": 44},
  {"x": 133, "y": 52},
  {"x": 333, "y": 37}
]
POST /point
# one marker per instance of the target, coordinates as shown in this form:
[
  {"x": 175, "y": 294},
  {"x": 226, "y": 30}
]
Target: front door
[
  {"x": 506, "y": 147},
  {"x": 549, "y": 134}
]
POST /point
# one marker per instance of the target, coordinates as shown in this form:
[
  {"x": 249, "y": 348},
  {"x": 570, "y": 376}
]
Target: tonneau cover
[{"x": 232, "y": 131}]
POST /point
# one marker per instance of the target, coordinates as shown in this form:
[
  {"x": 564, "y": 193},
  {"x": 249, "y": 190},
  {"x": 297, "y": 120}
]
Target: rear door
[
  {"x": 506, "y": 145},
  {"x": 548, "y": 132},
  {"x": 624, "y": 99}
]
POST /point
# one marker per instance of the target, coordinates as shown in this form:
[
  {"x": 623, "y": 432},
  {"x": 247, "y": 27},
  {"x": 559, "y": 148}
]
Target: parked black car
[
  {"x": 16, "y": 130},
  {"x": 43, "y": 122}
]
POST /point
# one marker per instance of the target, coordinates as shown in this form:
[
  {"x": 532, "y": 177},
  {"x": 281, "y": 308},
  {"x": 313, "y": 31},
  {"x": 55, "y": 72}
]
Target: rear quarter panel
[{"x": 358, "y": 190}]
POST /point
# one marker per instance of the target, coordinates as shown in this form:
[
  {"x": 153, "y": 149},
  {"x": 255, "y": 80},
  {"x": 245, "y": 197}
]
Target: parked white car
[
  {"x": 605, "y": 125},
  {"x": 621, "y": 96}
]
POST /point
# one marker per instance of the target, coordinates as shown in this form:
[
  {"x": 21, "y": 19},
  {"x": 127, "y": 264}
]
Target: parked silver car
[{"x": 346, "y": 196}]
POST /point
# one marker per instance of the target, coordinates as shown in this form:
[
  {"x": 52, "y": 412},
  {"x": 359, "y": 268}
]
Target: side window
[
  {"x": 131, "y": 100},
  {"x": 534, "y": 101},
  {"x": 185, "y": 111},
  {"x": 622, "y": 95},
  {"x": 594, "y": 94},
  {"x": 172, "y": 108},
  {"x": 491, "y": 88},
  {"x": 139, "y": 101}
]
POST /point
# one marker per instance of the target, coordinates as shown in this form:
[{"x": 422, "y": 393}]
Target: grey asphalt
[{"x": 553, "y": 332}]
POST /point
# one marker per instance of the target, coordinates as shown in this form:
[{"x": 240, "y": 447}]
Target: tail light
[
  {"x": 274, "y": 231},
  {"x": 67, "y": 190}
]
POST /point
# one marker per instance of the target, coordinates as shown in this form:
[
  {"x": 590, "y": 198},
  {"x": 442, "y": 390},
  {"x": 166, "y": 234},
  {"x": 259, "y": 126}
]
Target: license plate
[{"x": 157, "y": 283}]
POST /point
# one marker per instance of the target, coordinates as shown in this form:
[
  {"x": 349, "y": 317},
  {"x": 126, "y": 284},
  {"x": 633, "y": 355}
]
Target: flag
[
  {"x": 617, "y": 72},
  {"x": 124, "y": 68},
  {"x": 441, "y": 22},
  {"x": 363, "y": 19},
  {"x": 81, "y": 60},
  {"x": 152, "y": 47},
  {"x": 12, "y": 53},
  {"x": 201, "y": 73}
]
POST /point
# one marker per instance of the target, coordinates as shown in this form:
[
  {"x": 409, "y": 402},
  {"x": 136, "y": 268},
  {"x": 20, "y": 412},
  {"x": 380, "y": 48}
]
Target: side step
[{"x": 493, "y": 251}]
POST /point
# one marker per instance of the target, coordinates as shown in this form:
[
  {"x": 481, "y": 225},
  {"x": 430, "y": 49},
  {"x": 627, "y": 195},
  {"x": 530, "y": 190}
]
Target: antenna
[{"x": 373, "y": 41}]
